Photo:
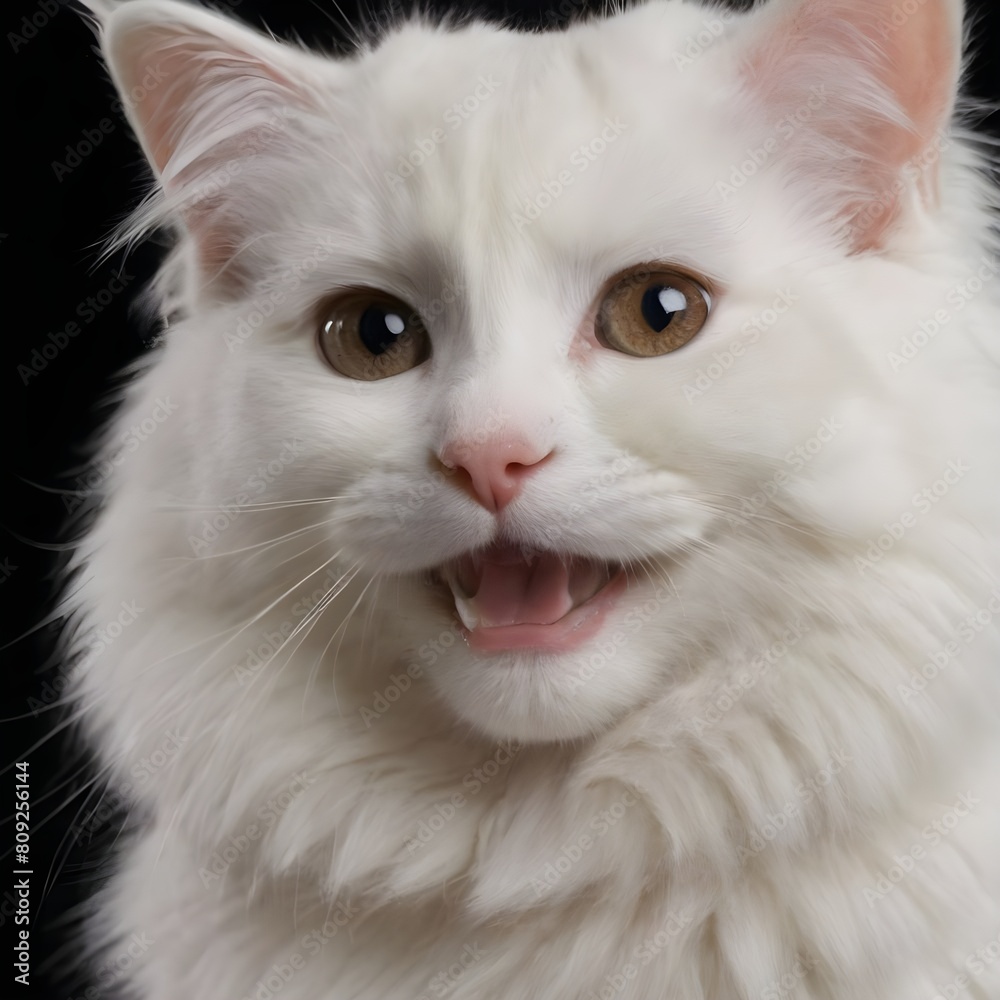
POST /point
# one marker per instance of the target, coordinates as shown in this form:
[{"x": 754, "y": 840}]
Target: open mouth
[{"x": 509, "y": 598}]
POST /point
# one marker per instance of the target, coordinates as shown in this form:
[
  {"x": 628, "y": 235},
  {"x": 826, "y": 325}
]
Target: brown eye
[
  {"x": 369, "y": 335},
  {"x": 651, "y": 311}
]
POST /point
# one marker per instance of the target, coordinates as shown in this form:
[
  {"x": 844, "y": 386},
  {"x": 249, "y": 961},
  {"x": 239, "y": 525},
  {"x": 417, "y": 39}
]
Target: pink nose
[{"x": 496, "y": 468}]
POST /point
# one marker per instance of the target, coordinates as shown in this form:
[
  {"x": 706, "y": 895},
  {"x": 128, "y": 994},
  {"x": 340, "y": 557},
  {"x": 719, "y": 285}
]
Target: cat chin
[{"x": 541, "y": 697}]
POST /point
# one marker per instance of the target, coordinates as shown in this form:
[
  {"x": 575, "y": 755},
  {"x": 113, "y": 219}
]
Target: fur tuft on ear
[
  {"x": 207, "y": 99},
  {"x": 870, "y": 86}
]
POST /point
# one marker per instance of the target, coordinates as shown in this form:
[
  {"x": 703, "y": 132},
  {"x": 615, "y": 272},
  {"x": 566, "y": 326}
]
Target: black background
[{"x": 50, "y": 234}]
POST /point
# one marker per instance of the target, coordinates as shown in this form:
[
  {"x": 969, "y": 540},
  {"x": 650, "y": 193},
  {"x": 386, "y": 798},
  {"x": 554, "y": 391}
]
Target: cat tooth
[
  {"x": 452, "y": 576},
  {"x": 463, "y": 603},
  {"x": 600, "y": 581},
  {"x": 589, "y": 582},
  {"x": 466, "y": 611}
]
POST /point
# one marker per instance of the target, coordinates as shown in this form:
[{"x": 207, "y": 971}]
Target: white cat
[{"x": 562, "y": 556}]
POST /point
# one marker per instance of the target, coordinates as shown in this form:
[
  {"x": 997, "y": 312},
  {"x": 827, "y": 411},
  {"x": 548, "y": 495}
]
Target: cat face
[{"x": 545, "y": 315}]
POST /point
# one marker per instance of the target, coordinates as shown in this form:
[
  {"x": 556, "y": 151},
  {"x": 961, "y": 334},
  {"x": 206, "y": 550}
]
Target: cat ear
[
  {"x": 208, "y": 99},
  {"x": 862, "y": 91}
]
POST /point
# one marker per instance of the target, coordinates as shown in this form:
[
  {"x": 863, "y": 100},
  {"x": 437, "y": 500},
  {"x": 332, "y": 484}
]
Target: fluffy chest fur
[{"x": 535, "y": 653}]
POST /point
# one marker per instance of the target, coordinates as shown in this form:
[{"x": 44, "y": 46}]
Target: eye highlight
[
  {"x": 368, "y": 335},
  {"x": 651, "y": 310}
]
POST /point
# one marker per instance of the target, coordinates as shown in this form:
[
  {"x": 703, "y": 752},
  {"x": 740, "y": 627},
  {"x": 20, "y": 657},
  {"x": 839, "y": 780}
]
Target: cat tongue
[
  {"x": 503, "y": 586},
  {"x": 516, "y": 591}
]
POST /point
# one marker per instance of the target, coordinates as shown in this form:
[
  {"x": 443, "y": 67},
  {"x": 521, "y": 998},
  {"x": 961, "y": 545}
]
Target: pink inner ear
[
  {"x": 216, "y": 250},
  {"x": 914, "y": 57},
  {"x": 206, "y": 100},
  {"x": 921, "y": 71},
  {"x": 164, "y": 111},
  {"x": 201, "y": 84}
]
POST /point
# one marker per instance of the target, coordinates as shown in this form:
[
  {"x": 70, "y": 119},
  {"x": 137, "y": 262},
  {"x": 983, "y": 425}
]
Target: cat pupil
[
  {"x": 379, "y": 329},
  {"x": 660, "y": 304}
]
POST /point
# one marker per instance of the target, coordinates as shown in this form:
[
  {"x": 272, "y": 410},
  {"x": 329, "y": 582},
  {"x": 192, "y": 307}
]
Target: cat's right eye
[
  {"x": 368, "y": 335},
  {"x": 652, "y": 310}
]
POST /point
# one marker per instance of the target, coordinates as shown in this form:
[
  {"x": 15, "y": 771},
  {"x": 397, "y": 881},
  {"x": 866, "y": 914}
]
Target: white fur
[{"x": 635, "y": 742}]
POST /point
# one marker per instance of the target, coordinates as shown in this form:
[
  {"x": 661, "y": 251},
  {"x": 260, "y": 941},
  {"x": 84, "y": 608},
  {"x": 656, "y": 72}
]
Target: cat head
[{"x": 583, "y": 332}]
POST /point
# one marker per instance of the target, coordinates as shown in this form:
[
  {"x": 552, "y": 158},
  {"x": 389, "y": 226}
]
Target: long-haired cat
[{"x": 562, "y": 558}]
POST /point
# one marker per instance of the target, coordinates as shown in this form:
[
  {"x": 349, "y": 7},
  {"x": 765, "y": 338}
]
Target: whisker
[
  {"x": 238, "y": 629},
  {"x": 270, "y": 606},
  {"x": 71, "y": 831},
  {"x": 304, "y": 628},
  {"x": 342, "y": 627},
  {"x": 54, "y": 489},
  {"x": 263, "y": 505},
  {"x": 44, "y": 546},
  {"x": 263, "y": 546}
]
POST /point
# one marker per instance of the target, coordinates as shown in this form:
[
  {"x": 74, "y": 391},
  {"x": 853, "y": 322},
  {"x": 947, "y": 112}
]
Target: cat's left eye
[
  {"x": 651, "y": 310},
  {"x": 367, "y": 334}
]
